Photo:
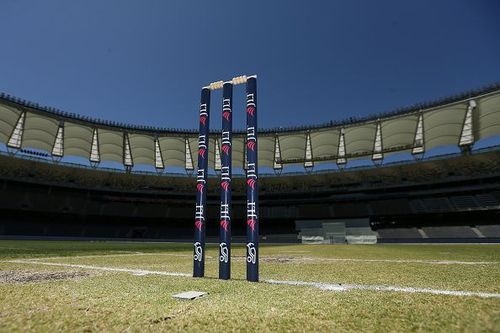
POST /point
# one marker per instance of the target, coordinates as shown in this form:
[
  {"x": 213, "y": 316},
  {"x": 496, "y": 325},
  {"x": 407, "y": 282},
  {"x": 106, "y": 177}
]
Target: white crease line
[
  {"x": 346, "y": 287},
  {"x": 101, "y": 268},
  {"x": 284, "y": 259},
  {"x": 117, "y": 255},
  {"x": 295, "y": 251},
  {"x": 396, "y": 261},
  {"x": 319, "y": 285},
  {"x": 408, "y": 261}
]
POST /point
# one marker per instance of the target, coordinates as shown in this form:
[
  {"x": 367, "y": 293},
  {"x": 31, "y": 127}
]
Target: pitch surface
[{"x": 118, "y": 286}]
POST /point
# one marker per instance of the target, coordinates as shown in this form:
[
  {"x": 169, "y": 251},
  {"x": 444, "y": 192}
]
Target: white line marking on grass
[
  {"x": 118, "y": 255},
  {"x": 346, "y": 287},
  {"x": 101, "y": 268},
  {"x": 395, "y": 261},
  {"x": 285, "y": 259},
  {"x": 319, "y": 285},
  {"x": 405, "y": 261},
  {"x": 295, "y": 251}
]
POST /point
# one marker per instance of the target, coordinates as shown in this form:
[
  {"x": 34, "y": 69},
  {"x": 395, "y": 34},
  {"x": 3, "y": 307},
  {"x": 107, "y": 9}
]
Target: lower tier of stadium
[{"x": 451, "y": 199}]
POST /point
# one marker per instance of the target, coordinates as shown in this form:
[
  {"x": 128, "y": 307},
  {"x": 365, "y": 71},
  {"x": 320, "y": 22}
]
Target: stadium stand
[
  {"x": 489, "y": 231},
  {"x": 399, "y": 233},
  {"x": 452, "y": 197},
  {"x": 450, "y": 232}
]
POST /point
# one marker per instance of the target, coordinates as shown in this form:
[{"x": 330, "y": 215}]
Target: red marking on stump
[
  {"x": 198, "y": 224},
  {"x": 226, "y": 149},
  {"x": 251, "y": 223},
  {"x": 224, "y": 224},
  {"x": 225, "y": 185},
  {"x": 251, "y": 145},
  {"x": 251, "y": 110},
  {"x": 203, "y": 120},
  {"x": 251, "y": 182}
]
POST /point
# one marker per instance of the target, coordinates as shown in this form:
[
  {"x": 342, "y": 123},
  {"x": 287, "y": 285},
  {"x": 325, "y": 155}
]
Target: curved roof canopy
[{"x": 459, "y": 121}]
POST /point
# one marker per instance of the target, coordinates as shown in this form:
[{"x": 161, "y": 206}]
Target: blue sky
[{"x": 143, "y": 62}]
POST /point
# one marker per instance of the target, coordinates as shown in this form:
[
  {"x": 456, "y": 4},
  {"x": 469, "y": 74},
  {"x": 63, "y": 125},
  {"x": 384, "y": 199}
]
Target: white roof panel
[
  {"x": 441, "y": 126},
  {"x": 488, "y": 116},
  {"x": 143, "y": 148},
  {"x": 39, "y": 132},
  {"x": 8, "y": 120},
  {"x": 77, "y": 140}
]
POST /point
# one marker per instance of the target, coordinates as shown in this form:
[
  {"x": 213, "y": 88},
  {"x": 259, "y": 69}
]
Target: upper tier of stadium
[{"x": 461, "y": 120}]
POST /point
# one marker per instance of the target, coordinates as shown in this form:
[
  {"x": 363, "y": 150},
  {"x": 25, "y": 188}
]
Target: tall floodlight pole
[
  {"x": 201, "y": 186},
  {"x": 252, "y": 182},
  {"x": 225, "y": 184}
]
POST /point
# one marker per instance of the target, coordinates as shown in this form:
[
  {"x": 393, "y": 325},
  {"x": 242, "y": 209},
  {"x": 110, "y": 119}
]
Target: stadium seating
[
  {"x": 491, "y": 231},
  {"x": 399, "y": 233},
  {"x": 449, "y": 232},
  {"x": 406, "y": 202}
]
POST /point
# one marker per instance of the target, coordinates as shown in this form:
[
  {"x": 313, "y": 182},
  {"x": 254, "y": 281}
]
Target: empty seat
[
  {"x": 464, "y": 202},
  {"x": 492, "y": 231},
  {"x": 437, "y": 204},
  {"x": 487, "y": 200},
  {"x": 450, "y": 232},
  {"x": 399, "y": 233}
]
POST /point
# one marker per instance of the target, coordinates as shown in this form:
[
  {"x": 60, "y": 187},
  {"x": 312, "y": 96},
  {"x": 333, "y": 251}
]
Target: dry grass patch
[{"x": 32, "y": 276}]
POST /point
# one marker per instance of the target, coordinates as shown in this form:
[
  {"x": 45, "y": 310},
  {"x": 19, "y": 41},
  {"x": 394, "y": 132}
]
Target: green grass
[{"x": 119, "y": 301}]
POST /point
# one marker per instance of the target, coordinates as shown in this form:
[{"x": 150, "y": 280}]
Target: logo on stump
[
  {"x": 224, "y": 253},
  {"x": 251, "y": 253},
  {"x": 198, "y": 252}
]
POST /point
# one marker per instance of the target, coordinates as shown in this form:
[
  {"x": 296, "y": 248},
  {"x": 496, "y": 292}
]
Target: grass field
[{"x": 111, "y": 286}]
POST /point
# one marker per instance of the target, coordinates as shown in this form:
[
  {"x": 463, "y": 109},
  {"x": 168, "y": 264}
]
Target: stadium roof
[{"x": 460, "y": 120}]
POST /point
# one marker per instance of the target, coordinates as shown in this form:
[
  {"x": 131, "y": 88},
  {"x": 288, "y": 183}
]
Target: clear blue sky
[{"x": 143, "y": 62}]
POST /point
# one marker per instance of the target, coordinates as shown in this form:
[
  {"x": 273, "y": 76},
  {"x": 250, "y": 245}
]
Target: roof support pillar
[
  {"x": 378, "y": 154},
  {"x": 341, "y": 153},
  {"x": 95, "y": 156},
  {"x": 58, "y": 147},
  {"x": 188, "y": 158},
  {"x": 308, "y": 153},
  {"x": 467, "y": 134},
  {"x": 277, "y": 166},
  {"x": 16, "y": 137},
  {"x": 128, "y": 161},
  {"x": 418, "y": 141}
]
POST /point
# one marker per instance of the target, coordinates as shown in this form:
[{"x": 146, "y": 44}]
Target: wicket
[{"x": 252, "y": 219}]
